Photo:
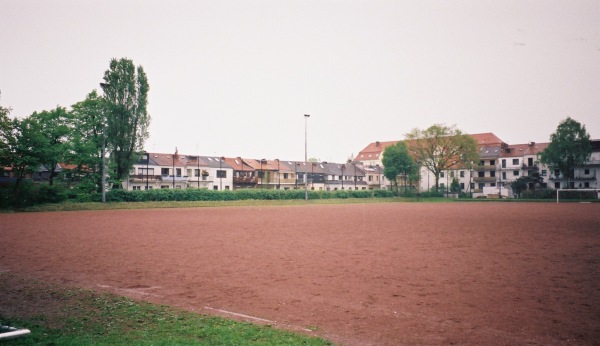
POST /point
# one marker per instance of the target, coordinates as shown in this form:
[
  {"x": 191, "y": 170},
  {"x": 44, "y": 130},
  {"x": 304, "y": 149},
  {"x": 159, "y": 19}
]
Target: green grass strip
[{"x": 57, "y": 315}]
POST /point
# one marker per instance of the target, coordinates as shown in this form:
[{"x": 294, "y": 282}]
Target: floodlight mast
[{"x": 306, "y": 116}]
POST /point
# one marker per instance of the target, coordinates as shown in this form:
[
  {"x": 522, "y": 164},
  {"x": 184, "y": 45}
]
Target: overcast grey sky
[{"x": 235, "y": 78}]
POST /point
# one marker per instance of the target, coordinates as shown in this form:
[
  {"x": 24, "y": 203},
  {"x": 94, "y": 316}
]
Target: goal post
[{"x": 578, "y": 194}]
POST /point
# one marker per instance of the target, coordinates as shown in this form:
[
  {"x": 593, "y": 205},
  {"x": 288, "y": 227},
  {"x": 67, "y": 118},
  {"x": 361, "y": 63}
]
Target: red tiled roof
[
  {"x": 373, "y": 150},
  {"x": 518, "y": 150}
]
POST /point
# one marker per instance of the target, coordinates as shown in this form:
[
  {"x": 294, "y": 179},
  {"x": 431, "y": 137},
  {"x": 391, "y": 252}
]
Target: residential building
[{"x": 174, "y": 171}]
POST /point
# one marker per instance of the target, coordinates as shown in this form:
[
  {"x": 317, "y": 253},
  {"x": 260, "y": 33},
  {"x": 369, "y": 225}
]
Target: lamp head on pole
[{"x": 307, "y": 115}]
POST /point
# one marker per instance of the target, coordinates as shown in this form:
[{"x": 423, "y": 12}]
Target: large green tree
[
  {"x": 49, "y": 131},
  {"x": 6, "y": 135},
  {"x": 441, "y": 147},
  {"x": 127, "y": 120},
  {"x": 86, "y": 140},
  {"x": 397, "y": 162},
  {"x": 23, "y": 143},
  {"x": 569, "y": 148}
]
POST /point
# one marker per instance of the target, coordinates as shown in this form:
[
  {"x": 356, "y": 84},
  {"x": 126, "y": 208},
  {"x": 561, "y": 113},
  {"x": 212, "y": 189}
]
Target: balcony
[
  {"x": 484, "y": 168},
  {"x": 484, "y": 179},
  {"x": 171, "y": 178},
  {"x": 138, "y": 178},
  {"x": 532, "y": 167},
  {"x": 245, "y": 180}
]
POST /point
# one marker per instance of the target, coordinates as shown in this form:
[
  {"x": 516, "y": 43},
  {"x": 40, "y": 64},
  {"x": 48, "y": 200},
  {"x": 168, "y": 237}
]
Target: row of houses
[
  {"x": 175, "y": 171},
  {"x": 500, "y": 164}
]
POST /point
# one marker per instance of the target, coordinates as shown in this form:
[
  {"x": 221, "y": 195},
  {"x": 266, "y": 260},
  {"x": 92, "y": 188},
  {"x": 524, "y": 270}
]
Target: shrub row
[
  {"x": 29, "y": 194},
  {"x": 230, "y": 195}
]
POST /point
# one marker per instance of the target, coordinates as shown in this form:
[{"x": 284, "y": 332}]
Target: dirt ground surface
[{"x": 356, "y": 274}]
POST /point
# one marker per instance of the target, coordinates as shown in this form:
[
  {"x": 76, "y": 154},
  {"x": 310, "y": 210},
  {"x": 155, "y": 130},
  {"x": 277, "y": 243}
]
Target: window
[
  {"x": 164, "y": 186},
  {"x": 586, "y": 184},
  {"x": 148, "y": 188},
  {"x": 544, "y": 173},
  {"x": 492, "y": 162},
  {"x": 285, "y": 176},
  {"x": 504, "y": 175},
  {"x": 481, "y": 174},
  {"x": 451, "y": 174},
  {"x": 557, "y": 172},
  {"x": 586, "y": 172},
  {"x": 164, "y": 171},
  {"x": 516, "y": 162},
  {"x": 222, "y": 174},
  {"x": 462, "y": 186},
  {"x": 189, "y": 172},
  {"x": 442, "y": 174},
  {"x": 137, "y": 188},
  {"x": 196, "y": 172},
  {"x": 215, "y": 187},
  {"x": 178, "y": 170},
  {"x": 492, "y": 174},
  {"x": 503, "y": 163},
  {"x": 462, "y": 174},
  {"x": 516, "y": 173}
]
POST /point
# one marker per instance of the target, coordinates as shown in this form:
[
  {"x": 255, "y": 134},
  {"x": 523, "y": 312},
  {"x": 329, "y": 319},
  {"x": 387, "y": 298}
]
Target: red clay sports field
[{"x": 357, "y": 274}]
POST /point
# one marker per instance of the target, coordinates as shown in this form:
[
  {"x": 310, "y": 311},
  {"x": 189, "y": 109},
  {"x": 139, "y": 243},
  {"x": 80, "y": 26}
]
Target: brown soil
[{"x": 364, "y": 274}]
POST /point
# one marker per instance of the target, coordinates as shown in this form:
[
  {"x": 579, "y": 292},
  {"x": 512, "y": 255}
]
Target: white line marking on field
[
  {"x": 239, "y": 315},
  {"x": 258, "y": 319}
]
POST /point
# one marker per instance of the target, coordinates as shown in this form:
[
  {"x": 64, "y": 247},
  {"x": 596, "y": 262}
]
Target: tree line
[{"x": 114, "y": 124}]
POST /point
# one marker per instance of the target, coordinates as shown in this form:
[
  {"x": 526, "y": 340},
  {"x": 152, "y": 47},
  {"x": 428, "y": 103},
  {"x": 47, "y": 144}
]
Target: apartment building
[{"x": 500, "y": 164}]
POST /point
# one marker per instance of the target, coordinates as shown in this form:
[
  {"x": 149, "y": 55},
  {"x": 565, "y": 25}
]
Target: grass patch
[{"x": 58, "y": 315}]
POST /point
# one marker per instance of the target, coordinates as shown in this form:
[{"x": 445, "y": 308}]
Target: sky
[{"x": 235, "y": 78}]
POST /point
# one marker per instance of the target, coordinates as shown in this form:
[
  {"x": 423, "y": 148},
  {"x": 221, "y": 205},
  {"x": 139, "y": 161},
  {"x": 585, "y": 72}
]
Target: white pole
[
  {"x": 13, "y": 332},
  {"x": 306, "y": 157}
]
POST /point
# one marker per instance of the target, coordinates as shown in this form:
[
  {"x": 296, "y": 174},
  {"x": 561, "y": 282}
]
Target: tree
[
  {"x": 86, "y": 139},
  {"x": 127, "y": 120},
  {"x": 6, "y": 134},
  {"x": 523, "y": 183},
  {"x": 23, "y": 143},
  {"x": 49, "y": 131},
  {"x": 398, "y": 162},
  {"x": 569, "y": 148},
  {"x": 440, "y": 147}
]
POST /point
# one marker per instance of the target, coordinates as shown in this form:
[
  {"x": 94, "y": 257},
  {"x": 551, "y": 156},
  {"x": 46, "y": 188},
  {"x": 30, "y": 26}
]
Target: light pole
[
  {"x": 500, "y": 184},
  {"x": 104, "y": 86},
  {"x": 261, "y": 173},
  {"x": 343, "y": 165},
  {"x": 354, "y": 163},
  {"x": 278, "y": 176},
  {"x": 174, "y": 167},
  {"x": 221, "y": 173},
  {"x": 306, "y": 116},
  {"x": 147, "y": 161}
]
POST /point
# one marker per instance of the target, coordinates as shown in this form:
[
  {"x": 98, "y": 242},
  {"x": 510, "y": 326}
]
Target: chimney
[{"x": 377, "y": 144}]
